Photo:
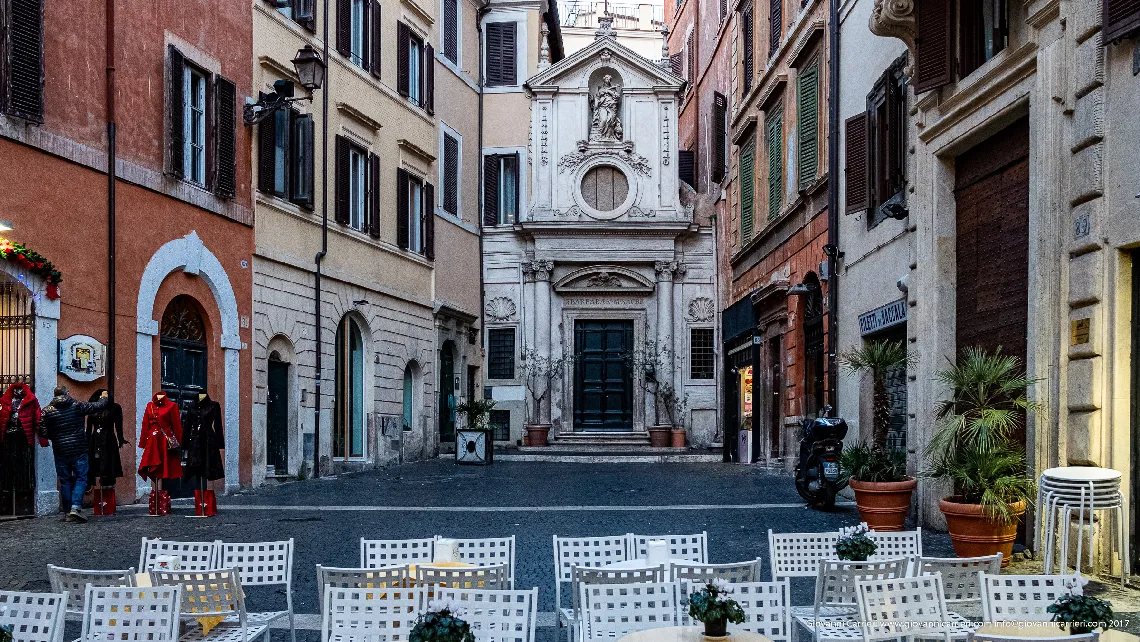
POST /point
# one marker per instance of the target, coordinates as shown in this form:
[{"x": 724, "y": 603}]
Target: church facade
[{"x": 599, "y": 306}]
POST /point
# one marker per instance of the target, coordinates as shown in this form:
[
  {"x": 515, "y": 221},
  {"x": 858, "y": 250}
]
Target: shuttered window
[
  {"x": 747, "y": 24},
  {"x": 686, "y": 166},
  {"x": 807, "y": 94},
  {"x": 774, "y": 128},
  {"x": 22, "y": 59},
  {"x": 720, "y": 138},
  {"x": 677, "y": 64},
  {"x": 202, "y": 113},
  {"x": 1121, "y": 18},
  {"x": 934, "y": 44},
  {"x": 450, "y": 182},
  {"x": 702, "y": 357},
  {"x": 500, "y": 189},
  {"x": 194, "y": 88},
  {"x": 354, "y": 183},
  {"x": 373, "y": 198},
  {"x": 691, "y": 62},
  {"x": 302, "y": 161},
  {"x": 285, "y": 157},
  {"x": 502, "y": 54},
  {"x": 450, "y": 43},
  {"x": 775, "y": 26},
  {"x": 225, "y": 137},
  {"x": 501, "y": 353},
  {"x": 303, "y": 12},
  {"x": 415, "y": 214},
  {"x": 376, "y": 26},
  {"x": 855, "y": 160},
  {"x": 885, "y": 157},
  {"x": 982, "y": 30},
  {"x": 747, "y": 190},
  {"x": 415, "y": 68}
]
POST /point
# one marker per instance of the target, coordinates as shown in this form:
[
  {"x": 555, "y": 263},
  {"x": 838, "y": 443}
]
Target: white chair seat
[
  {"x": 257, "y": 619},
  {"x": 565, "y": 616},
  {"x": 825, "y": 612},
  {"x": 224, "y": 634},
  {"x": 846, "y": 627}
]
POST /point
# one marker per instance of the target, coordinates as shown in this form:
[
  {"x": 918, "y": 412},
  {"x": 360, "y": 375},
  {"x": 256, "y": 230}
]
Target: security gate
[{"x": 17, "y": 365}]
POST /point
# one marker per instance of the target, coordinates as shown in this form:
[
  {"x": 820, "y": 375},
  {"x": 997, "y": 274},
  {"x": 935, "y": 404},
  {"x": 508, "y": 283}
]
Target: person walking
[{"x": 62, "y": 423}]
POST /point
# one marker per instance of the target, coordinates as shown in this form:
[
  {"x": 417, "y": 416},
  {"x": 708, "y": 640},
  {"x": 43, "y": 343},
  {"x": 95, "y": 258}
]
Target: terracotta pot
[
  {"x": 678, "y": 436},
  {"x": 974, "y": 532},
  {"x": 660, "y": 436},
  {"x": 884, "y": 505},
  {"x": 536, "y": 434}
]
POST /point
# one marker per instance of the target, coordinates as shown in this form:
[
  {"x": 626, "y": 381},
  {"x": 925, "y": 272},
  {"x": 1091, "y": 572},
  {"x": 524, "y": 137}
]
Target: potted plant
[
  {"x": 712, "y": 606},
  {"x": 1083, "y": 613},
  {"x": 6, "y": 633},
  {"x": 539, "y": 372},
  {"x": 973, "y": 449},
  {"x": 476, "y": 412},
  {"x": 854, "y": 544},
  {"x": 878, "y": 476},
  {"x": 657, "y": 367},
  {"x": 442, "y": 622}
]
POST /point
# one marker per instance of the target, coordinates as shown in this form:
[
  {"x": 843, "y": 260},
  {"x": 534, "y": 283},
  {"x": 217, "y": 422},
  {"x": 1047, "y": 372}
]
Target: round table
[
  {"x": 1045, "y": 630},
  {"x": 688, "y": 634},
  {"x": 642, "y": 563}
]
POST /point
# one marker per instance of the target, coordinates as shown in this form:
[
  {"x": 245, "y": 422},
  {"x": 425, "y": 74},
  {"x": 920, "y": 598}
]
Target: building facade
[{"x": 171, "y": 311}]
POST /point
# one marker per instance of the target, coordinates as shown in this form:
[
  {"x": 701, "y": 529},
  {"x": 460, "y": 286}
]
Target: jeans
[{"x": 72, "y": 473}]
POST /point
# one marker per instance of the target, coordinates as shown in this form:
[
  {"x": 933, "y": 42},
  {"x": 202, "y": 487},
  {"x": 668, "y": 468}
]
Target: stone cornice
[
  {"x": 896, "y": 19},
  {"x": 415, "y": 150},
  {"x": 359, "y": 116}
]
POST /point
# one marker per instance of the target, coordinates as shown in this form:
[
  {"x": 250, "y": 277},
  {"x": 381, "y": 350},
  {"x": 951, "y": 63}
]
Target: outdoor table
[
  {"x": 643, "y": 563},
  {"x": 688, "y": 634},
  {"x": 1047, "y": 630}
]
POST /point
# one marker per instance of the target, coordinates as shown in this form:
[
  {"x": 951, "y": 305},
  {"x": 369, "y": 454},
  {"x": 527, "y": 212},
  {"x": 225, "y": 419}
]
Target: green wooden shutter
[
  {"x": 747, "y": 190},
  {"x": 808, "y": 95},
  {"x": 775, "y": 131}
]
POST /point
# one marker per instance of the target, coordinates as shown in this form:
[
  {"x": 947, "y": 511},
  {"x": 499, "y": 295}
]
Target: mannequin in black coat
[
  {"x": 104, "y": 439},
  {"x": 203, "y": 438}
]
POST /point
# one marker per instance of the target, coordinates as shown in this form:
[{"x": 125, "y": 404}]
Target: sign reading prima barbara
[{"x": 883, "y": 317}]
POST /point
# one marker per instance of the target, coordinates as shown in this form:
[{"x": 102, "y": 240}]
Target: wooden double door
[{"x": 603, "y": 381}]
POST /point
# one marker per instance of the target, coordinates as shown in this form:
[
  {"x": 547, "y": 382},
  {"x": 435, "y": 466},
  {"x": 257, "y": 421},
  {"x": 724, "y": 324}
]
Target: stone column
[
  {"x": 665, "y": 271},
  {"x": 542, "y": 269}
]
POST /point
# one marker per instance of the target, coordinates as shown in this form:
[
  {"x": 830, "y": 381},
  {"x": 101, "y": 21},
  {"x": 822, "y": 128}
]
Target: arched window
[
  {"x": 447, "y": 392},
  {"x": 348, "y": 425},
  {"x": 182, "y": 343},
  {"x": 813, "y": 346},
  {"x": 411, "y": 382}
]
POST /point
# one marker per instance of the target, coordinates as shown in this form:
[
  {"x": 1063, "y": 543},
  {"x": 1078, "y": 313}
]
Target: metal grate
[
  {"x": 501, "y": 424},
  {"x": 17, "y": 334},
  {"x": 702, "y": 359},
  {"x": 501, "y": 353}
]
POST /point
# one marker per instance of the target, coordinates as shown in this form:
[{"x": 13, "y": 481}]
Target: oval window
[{"x": 604, "y": 188}]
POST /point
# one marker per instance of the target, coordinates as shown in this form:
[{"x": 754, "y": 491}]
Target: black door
[
  {"x": 182, "y": 373},
  {"x": 447, "y": 393},
  {"x": 603, "y": 387},
  {"x": 277, "y": 418}
]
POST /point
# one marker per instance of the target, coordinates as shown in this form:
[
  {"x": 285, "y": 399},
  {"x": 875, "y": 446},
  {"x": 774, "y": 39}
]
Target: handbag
[{"x": 171, "y": 441}]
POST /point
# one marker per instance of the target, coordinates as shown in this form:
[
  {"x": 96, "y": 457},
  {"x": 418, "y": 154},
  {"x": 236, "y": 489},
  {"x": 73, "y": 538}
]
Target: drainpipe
[
  {"x": 112, "y": 304},
  {"x": 484, "y": 7},
  {"x": 324, "y": 241},
  {"x": 832, "y": 199}
]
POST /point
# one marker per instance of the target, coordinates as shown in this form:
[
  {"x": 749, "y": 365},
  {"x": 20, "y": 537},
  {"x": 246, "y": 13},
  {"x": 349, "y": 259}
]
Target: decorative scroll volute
[{"x": 896, "y": 19}]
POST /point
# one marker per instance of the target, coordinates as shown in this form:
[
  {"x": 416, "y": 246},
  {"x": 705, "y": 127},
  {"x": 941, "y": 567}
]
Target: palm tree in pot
[{"x": 882, "y": 488}]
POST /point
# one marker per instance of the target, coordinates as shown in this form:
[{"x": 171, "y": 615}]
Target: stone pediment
[
  {"x": 599, "y": 279},
  {"x": 608, "y": 51}
]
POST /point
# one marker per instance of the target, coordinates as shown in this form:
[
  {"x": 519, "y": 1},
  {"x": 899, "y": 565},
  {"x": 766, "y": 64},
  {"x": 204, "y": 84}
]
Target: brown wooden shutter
[
  {"x": 776, "y": 26},
  {"x": 225, "y": 137},
  {"x": 429, "y": 78},
  {"x": 686, "y": 166},
  {"x": 677, "y": 64},
  {"x": 344, "y": 27},
  {"x": 501, "y": 54},
  {"x": 377, "y": 39},
  {"x": 450, "y": 185},
  {"x": 856, "y": 159},
  {"x": 1120, "y": 18},
  {"x": 305, "y": 13},
  {"x": 451, "y": 30},
  {"x": 895, "y": 133},
  {"x": 510, "y": 53},
  {"x": 691, "y": 63},
  {"x": 490, "y": 190},
  {"x": 266, "y": 153},
  {"x": 22, "y": 35},
  {"x": 402, "y": 208},
  {"x": 303, "y": 140},
  {"x": 747, "y": 24},
  {"x": 429, "y": 221},
  {"x": 374, "y": 195},
  {"x": 723, "y": 10},
  {"x": 177, "y": 115},
  {"x": 720, "y": 137},
  {"x": 403, "y": 72},
  {"x": 934, "y": 44},
  {"x": 342, "y": 179}
]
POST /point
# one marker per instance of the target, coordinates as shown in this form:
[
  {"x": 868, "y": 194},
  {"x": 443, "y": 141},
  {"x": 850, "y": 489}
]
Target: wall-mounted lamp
[
  {"x": 799, "y": 289},
  {"x": 7, "y": 226},
  {"x": 310, "y": 71}
]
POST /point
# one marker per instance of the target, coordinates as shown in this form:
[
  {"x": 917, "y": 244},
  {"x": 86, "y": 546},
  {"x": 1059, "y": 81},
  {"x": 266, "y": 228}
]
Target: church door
[{"x": 603, "y": 386}]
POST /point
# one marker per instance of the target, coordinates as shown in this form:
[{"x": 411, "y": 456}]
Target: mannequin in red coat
[
  {"x": 19, "y": 417},
  {"x": 160, "y": 419}
]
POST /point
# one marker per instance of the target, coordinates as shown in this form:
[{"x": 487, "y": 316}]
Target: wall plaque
[
  {"x": 1082, "y": 226},
  {"x": 82, "y": 358},
  {"x": 1080, "y": 331},
  {"x": 883, "y": 317}
]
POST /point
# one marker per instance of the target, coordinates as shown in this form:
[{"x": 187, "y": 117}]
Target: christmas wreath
[{"x": 33, "y": 262}]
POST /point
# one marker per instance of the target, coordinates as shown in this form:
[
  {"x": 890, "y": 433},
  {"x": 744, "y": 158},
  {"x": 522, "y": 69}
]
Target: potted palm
[
  {"x": 882, "y": 488},
  {"x": 974, "y": 450}
]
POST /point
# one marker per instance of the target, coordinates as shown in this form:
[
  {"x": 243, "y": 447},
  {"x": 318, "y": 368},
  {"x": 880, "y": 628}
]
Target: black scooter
[{"x": 818, "y": 477}]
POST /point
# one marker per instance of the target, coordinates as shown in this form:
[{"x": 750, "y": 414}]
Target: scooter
[{"x": 818, "y": 477}]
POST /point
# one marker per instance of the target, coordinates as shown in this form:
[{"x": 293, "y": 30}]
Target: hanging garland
[{"x": 33, "y": 262}]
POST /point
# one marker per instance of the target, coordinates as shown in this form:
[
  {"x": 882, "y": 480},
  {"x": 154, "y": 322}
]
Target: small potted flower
[
  {"x": 1083, "y": 613},
  {"x": 6, "y": 633},
  {"x": 712, "y": 606},
  {"x": 443, "y": 622},
  {"x": 854, "y": 544}
]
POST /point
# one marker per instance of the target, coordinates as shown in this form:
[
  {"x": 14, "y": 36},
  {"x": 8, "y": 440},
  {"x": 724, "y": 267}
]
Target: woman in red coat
[{"x": 160, "y": 420}]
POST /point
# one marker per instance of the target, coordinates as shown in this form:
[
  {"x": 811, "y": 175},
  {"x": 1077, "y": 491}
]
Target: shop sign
[
  {"x": 82, "y": 358},
  {"x": 883, "y": 317}
]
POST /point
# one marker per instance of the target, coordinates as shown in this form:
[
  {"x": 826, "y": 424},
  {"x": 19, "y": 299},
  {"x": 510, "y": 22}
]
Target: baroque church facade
[{"x": 600, "y": 315}]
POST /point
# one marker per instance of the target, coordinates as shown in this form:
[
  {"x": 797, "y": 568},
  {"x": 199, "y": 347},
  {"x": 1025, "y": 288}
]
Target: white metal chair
[
  {"x": 1021, "y": 598},
  {"x": 263, "y": 564},
  {"x": 116, "y": 613},
  {"x": 365, "y": 615},
  {"x": 488, "y": 551},
  {"x": 388, "y": 576},
  {"x": 497, "y": 616},
  {"x": 832, "y": 615},
  {"x": 192, "y": 556},
  {"x": 493, "y": 578},
  {"x": 987, "y": 637},
  {"x": 215, "y": 593},
  {"x": 766, "y": 607},
  {"x": 960, "y": 579},
  {"x": 376, "y": 553},
  {"x": 734, "y": 573},
  {"x": 586, "y": 552},
  {"x": 74, "y": 581},
  {"x": 610, "y": 611},
  {"x": 891, "y": 545},
  {"x": 799, "y": 554},
  {"x": 908, "y": 608},
  {"x": 694, "y": 548},
  {"x": 34, "y": 617},
  {"x": 585, "y": 575}
]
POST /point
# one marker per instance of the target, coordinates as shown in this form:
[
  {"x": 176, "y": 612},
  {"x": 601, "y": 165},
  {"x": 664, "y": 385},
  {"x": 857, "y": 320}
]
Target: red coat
[
  {"x": 158, "y": 461},
  {"x": 29, "y": 413}
]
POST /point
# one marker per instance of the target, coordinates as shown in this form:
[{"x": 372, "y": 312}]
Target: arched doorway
[
  {"x": 17, "y": 366},
  {"x": 813, "y": 346},
  {"x": 183, "y": 370},
  {"x": 411, "y": 395},
  {"x": 277, "y": 415},
  {"x": 348, "y": 424},
  {"x": 447, "y": 393}
]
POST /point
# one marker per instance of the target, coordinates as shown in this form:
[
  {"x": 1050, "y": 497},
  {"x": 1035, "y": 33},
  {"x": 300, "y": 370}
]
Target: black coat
[
  {"x": 104, "y": 438},
  {"x": 63, "y": 425},
  {"x": 203, "y": 438}
]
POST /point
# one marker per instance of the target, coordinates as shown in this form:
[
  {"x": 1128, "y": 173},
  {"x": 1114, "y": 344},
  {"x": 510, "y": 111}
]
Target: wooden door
[
  {"x": 603, "y": 385},
  {"x": 277, "y": 418}
]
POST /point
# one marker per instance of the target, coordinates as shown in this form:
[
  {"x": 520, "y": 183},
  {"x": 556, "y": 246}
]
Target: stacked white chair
[
  {"x": 216, "y": 593},
  {"x": 610, "y": 611},
  {"x": 1083, "y": 490},
  {"x": 1021, "y": 598},
  {"x": 497, "y": 616},
  {"x": 74, "y": 581},
  {"x": 263, "y": 564},
  {"x": 117, "y": 613},
  {"x": 385, "y": 577},
  {"x": 34, "y": 617},
  {"x": 365, "y": 615},
  {"x": 377, "y": 553},
  {"x": 585, "y": 552},
  {"x": 694, "y": 548},
  {"x": 191, "y": 556}
]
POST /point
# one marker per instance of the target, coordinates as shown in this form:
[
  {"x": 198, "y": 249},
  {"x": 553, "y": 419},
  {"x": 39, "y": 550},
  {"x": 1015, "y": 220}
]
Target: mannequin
[
  {"x": 204, "y": 439},
  {"x": 19, "y": 415},
  {"x": 104, "y": 439},
  {"x": 161, "y": 439}
]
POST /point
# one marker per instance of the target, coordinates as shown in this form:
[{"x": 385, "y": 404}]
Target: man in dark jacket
[{"x": 63, "y": 424}]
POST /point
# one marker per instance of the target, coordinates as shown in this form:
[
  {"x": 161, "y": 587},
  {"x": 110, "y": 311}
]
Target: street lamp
[{"x": 310, "y": 70}]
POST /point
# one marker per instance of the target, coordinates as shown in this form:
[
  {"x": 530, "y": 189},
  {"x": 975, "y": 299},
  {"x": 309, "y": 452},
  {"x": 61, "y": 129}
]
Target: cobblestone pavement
[{"x": 735, "y": 504}]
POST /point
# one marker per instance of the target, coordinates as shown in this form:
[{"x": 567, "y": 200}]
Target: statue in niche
[{"x": 605, "y": 123}]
